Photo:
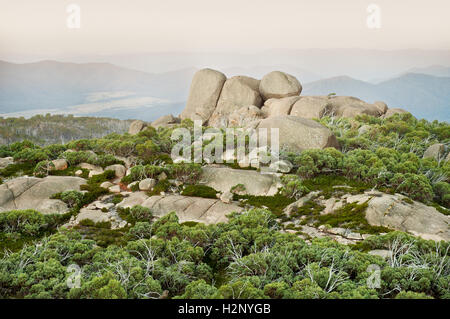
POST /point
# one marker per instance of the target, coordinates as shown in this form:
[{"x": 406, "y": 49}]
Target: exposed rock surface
[
  {"x": 393, "y": 111},
  {"x": 310, "y": 107},
  {"x": 147, "y": 184},
  {"x": 349, "y": 106},
  {"x": 237, "y": 92},
  {"x": 381, "y": 106},
  {"x": 244, "y": 116},
  {"x": 60, "y": 164},
  {"x": 95, "y": 215},
  {"x": 34, "y": 193},
  {"x": 393, "y": 211},
  {"x": 118, "y": 169},
  {"x": 165, "y": 121},
  {"x": 223, "y": 179},
  {"x": 202, "y": 210},
  {"x": 233, "y": 102},
  {"x": 136, "y": 127},
  {"x": 135, "y": 198},
  {"x": 5, "y": 161},
  {"x": 204, "y": 92},
  {"x": 276, "y": 107},
  {"x": 278, "y": 84},
  {"x": 106, "y": 185},
  {"x": 298, "y": 134},
  {"x": 435, "y": 151},
  {"x": 340, "y": 106}
]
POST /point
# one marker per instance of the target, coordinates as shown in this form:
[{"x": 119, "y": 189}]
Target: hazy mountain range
[
  {"x": 105, "y": 89},
  {"x": 425, "y": 96}
]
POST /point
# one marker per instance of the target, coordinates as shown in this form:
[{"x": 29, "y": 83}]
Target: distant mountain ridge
[
  {"x": 425, "y": 96},
  {"x": 104, "y": 89},
  {"x": 52, "y": 84},
  {"x": 436, "y": 70}
]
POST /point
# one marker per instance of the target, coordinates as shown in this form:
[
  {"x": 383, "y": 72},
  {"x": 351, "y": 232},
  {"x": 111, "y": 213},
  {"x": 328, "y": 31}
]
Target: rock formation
[
  {"x": 298, "y": 134},
  {"x": 223, "y": 179},
  {"x": 435, "y": 151},
  {"x": 35, "y": 193},
  {"x": 237, "y": 92},
  {"x": 277, "y": 84},
  {"x": 136, "y": 127},
  {"x": 203, "y": 95}
]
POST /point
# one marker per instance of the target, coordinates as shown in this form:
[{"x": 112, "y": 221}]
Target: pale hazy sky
[{"x": 38, "y": 27}]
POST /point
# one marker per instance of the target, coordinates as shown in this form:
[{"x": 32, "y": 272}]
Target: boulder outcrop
[
  {"x": 204, "y": 93},
  {"x": 224, "y": 178},
  {"x": 298, "y": 134},
  {"x": 5, "y": 161},
  {"x": 245, "y": 116},
  {"x": 233, "y": 102},
  {"x": 136, "y": 127},
  {"x": 165, "y": 121},
  {"x": 35, "y": 193},
  {"x": 237, "y": 92},
  {"x": 197, "y": 209},
  {"x": 393, "y": 111},
  {"x": 278, "y": 84},
  {"x": 435, "y": 151},
  {"x": 310, "y": 107},
  {"x": 277, "y": 107},
  {"x": 396, "y": 212}
]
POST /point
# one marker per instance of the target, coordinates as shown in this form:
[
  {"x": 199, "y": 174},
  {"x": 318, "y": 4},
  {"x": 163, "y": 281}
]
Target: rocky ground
[{"x": 273, "y": 102}]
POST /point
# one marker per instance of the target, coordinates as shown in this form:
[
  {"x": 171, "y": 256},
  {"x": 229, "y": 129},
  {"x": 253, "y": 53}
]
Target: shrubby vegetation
[
  {"x": 245, "y": 258},
  {"x": 21, "y": 226},
  {"x": 249, "y": 257},
  {"x": 388, "y": 156}
]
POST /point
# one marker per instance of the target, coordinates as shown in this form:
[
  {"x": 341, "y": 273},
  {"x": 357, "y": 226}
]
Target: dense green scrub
[
  {"x": 249, "y": 257},
  {"x": 246, "y": 258},
  {"x": 18, "y": 227},
  {"x": 387, "y": 156}
]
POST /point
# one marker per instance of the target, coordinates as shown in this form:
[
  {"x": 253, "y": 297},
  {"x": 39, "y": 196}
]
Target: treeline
[{"x": 57, "y": 129}]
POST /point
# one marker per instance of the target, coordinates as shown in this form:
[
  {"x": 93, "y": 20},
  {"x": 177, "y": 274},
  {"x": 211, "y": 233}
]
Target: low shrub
[{"x": 199, "y": 191}]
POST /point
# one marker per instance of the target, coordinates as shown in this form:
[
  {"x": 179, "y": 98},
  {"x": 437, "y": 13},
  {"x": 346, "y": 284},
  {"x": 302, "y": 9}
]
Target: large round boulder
[
  {"x": 435, "y": 151},
  {"x": 136, "y": 127},
  {"x": 237, "y": 92},
  {"x": 165, "y": 121},
  {"x": 310, "y": 107},
  {"x": 298, "y": 134},
  {"x": 205, "y": 90},
  {"x": 393, "y": 111},
  {"x": 277, "y": 107},
  {"x": 381, "y": 106},
  {"x": 278, "y": 84}
]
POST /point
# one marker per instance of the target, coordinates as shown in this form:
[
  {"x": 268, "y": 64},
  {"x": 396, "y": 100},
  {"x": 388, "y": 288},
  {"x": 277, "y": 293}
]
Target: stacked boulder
[
  {"x": 272, "y": 102},
  {"x": 241, "y": 100}
]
